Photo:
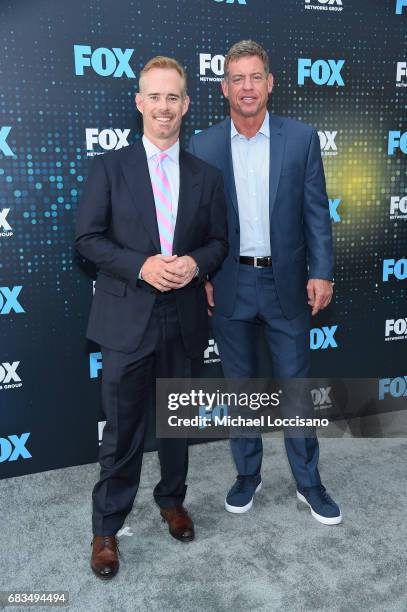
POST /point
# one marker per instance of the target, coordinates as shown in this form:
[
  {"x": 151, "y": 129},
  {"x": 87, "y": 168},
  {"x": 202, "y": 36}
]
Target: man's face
[
  {"x": 162, "y": 103},
  {"x": 247, "y": 87}
]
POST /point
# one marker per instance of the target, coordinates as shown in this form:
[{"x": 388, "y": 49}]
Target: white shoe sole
[
  {"x": 325, "y": 520},
  {"x": 242, "y": 509}
]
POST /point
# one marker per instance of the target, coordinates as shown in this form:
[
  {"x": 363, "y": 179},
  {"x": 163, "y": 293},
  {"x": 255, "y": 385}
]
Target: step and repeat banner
[{"x": 69, "y": 73}]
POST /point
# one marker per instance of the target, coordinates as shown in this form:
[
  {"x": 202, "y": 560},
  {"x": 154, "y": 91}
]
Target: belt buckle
[{"x": 256, "y": 265}]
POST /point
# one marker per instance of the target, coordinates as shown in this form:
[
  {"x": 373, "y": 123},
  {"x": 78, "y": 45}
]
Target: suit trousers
[
  {"x": 288, "y": 341},
  {"x": 128, "y": 381}
]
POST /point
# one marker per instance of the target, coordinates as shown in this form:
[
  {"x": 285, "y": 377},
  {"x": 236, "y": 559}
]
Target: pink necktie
[{"x": 163, "y": 206}]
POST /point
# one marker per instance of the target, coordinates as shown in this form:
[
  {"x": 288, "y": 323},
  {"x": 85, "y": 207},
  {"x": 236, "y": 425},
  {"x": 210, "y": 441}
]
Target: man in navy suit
[
  {"x": 153, "y": 220},
  {"x": 280, "y": 261}
]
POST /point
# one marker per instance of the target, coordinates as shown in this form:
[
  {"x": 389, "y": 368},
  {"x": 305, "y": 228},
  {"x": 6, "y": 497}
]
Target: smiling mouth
[
  {"x": 163, "y": 120},
  {"x": 248, "y": 99}
]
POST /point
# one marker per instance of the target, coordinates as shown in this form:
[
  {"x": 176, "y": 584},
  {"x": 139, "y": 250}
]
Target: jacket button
[
  {"x": 237, "y": 231},
  {"x": 235, "y": 258}
]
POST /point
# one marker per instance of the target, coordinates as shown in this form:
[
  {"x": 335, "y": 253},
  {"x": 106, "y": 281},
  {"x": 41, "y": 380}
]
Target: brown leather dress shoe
[
  {"x": 180, "y": 524},
  {"x": 105, "y": 556}
]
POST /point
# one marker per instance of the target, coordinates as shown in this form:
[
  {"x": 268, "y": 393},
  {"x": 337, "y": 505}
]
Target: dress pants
[
  {"x": 288, "y": 341},
  {"x": 128, "y": 381}
]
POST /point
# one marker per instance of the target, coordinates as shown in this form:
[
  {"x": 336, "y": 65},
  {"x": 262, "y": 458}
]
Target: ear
[
  {"x": 270, "y": 83},
  {"x": 225, "y": 88},
  {"x": 139, "y": 102},
  {"x": 185, "y": 105}
]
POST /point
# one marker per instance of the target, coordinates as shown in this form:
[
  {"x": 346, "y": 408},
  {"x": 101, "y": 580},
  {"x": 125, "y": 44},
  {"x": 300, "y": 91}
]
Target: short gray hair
[{"x": 245, "y": 48}]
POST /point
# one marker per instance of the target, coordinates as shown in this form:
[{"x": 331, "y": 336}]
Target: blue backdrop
[{"x": 68, "y": 78}]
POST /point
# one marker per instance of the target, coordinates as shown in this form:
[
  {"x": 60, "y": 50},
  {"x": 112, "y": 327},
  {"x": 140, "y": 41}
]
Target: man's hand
[
  {"x": 319, "y": 294},
  {"x": 183, "y": 268},
  {"x": 209, "y": 296},
  {"x": 158, "y": 271}
]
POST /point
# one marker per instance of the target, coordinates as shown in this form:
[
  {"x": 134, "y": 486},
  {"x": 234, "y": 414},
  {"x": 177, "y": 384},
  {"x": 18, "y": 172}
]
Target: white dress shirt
[{"x": 171, "y": 168}]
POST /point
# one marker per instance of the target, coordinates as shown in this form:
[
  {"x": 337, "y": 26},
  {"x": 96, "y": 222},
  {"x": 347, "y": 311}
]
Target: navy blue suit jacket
[
  {"x": 117, "y": 230},
  {"x": 300, "y": 226}
]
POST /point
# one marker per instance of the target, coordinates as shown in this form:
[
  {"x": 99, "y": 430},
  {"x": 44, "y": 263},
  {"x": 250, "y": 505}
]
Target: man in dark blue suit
[
  {"x": 280, "y": 261},
  {"x": 153, "y": 220}
]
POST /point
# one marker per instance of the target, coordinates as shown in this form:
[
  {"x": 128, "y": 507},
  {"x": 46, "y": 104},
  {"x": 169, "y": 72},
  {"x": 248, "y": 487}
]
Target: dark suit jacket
[
  {"x": 117, "y": 230},
  {"x": 300, "y": 226}
]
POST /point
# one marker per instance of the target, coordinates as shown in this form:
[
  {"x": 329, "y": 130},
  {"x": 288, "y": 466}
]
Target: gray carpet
[{"x": 275, "y": 557}]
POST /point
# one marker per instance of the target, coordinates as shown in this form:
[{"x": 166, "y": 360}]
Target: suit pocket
[
  {"x": 291, "y": 169},
  {"x": 300, "y": 253},
  {"x": 111, "y": 285}
]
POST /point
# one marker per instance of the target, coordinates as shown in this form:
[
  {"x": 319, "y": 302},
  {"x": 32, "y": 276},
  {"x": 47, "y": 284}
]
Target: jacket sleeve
[
  {"x": 92, "y": 238},
  {"x": 211, "y": 254},
  {"x": 317, "y": 221}
]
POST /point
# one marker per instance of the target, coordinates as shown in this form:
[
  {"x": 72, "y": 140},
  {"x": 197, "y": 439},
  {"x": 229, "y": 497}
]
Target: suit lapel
[
  {"x": 277, "y": 147},
  {"x": 188, "y": 200},
  {"x": 137, "y": 176},
  {"x": 228, "y": 173}
]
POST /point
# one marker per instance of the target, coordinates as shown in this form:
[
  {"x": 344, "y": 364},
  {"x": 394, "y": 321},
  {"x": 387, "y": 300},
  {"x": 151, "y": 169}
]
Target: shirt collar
[
  {"x": 152, "y": 149},
  {"x": 264, "y": 128}
]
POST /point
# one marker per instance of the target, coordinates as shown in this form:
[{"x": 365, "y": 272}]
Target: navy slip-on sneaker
[
  {"x": 240, "y": 497},
  {"x": 323, "y": 508}
]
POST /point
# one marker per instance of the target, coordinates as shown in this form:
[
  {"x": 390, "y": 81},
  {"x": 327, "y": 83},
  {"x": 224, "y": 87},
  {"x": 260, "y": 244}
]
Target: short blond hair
[{"x": 168, "y": 63}]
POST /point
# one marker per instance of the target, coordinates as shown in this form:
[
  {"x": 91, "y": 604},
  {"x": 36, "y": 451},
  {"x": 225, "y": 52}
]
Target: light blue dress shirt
[{"x": 251, "y": 167}]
